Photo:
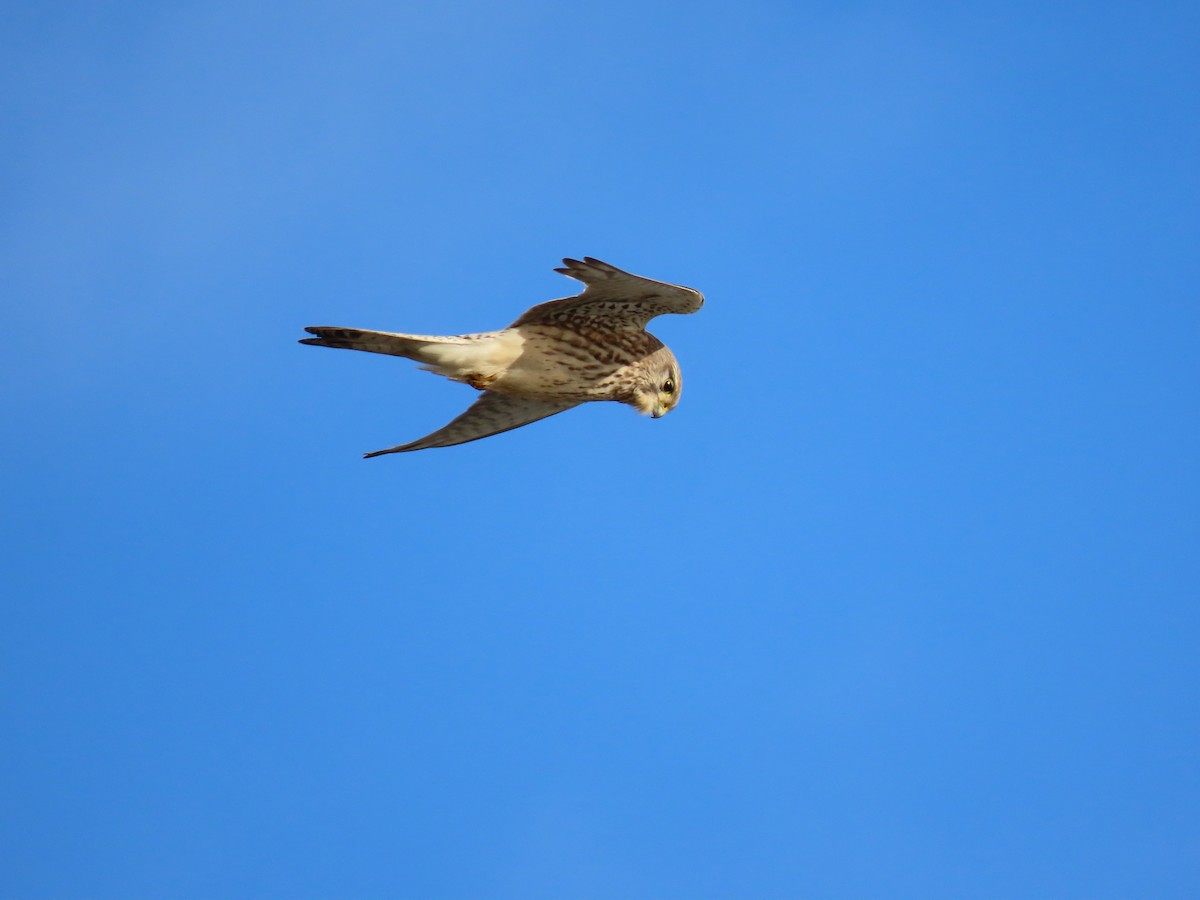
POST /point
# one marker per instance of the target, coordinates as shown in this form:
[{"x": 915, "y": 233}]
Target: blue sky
[{"x": 901, "y": 601}]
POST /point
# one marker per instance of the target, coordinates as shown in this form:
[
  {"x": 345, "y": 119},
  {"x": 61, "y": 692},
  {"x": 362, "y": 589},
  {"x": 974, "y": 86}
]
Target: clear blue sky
[{"x": 902, "y": 601}]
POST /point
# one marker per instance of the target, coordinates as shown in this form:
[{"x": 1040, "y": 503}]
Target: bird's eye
[{"x": 668, "y": 386}]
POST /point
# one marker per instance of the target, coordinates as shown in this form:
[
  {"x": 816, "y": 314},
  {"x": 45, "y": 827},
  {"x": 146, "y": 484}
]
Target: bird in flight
[{"x": 559, "y": 354}]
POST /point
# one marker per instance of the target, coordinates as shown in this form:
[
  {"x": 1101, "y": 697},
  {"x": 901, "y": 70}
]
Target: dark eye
[{"x": 668, "y": 386}]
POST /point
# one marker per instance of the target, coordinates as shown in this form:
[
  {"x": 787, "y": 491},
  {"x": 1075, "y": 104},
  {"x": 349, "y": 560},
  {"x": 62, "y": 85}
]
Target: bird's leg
[{"x": 477, "y": 381}]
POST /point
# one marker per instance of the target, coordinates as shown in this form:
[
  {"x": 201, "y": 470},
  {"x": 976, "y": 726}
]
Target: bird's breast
[{"x": 572, "y": 363}]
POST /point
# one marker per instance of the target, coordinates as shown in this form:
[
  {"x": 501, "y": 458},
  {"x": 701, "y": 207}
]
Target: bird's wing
[
  {"x": 491, "y": 414},
  {"x": 613, "y": 300}
]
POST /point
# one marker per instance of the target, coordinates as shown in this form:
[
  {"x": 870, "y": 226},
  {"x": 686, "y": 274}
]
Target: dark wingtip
[{"x": 571, "y": 267}]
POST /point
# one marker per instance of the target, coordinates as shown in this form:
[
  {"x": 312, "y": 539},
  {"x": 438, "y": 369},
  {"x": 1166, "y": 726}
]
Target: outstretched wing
[
  {"x": 491, "y": 414},
  {"x": 613, "y": 300}
]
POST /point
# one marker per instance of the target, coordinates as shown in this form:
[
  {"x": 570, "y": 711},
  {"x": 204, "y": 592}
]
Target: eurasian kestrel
[{"x": 593, "y": 346}]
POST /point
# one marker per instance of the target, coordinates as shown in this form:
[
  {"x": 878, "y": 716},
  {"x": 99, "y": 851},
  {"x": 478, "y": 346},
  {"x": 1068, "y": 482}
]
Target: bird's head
[{"x": 657, "y": 391}]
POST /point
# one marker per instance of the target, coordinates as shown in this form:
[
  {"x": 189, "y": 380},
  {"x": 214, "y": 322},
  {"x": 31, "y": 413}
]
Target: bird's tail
[
  {"x": 475, "y": 359},
  {"x": 410, "y": 346}
]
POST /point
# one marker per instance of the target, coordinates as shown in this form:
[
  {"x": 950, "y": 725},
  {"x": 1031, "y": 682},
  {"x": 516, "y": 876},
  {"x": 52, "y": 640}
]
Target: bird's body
[{"x": 559, "y": 354}]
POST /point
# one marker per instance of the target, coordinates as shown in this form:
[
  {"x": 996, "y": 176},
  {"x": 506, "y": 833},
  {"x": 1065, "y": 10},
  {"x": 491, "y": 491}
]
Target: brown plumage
[{"x": 559, "y": 354}]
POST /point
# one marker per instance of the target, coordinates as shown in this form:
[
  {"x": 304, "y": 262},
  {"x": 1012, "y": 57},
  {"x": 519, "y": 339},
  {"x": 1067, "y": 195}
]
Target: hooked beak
[{"x": 658, "y": 412}]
